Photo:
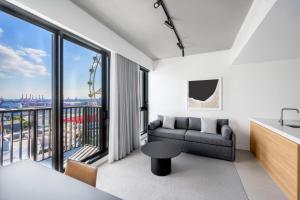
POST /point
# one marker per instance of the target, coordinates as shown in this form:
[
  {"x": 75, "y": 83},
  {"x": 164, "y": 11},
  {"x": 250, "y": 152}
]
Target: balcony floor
[{"x": 48, "y": 162}]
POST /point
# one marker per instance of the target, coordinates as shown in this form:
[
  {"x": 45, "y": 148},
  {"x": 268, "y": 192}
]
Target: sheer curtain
[{"x": 124, "y": 108}]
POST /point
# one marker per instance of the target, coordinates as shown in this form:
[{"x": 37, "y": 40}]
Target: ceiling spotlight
[
  {"x": 157, "y": 4},
  {"x": 169, "y": 24},
  {"x": 180, "y": 45}
]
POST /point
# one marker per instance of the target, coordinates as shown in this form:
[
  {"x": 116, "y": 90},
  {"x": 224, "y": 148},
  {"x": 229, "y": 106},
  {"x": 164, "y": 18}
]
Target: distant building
[{"x": 10, "y": 105}]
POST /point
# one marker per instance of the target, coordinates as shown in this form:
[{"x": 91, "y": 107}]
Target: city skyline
[{"x": 25, "y": 62}]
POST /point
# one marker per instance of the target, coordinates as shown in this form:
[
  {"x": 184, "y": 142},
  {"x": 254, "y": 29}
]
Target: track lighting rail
[{"x": 169, "y": 23}]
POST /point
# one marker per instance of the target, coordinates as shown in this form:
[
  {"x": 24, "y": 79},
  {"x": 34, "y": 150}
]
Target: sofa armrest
[
  {"x": 233, "y": 138},
  {"x": 226, "y": 132},
  {"x": 154, "y": 125}
]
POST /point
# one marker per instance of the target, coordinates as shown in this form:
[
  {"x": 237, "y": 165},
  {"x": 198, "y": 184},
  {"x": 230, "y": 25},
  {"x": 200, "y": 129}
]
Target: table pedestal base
[{"x": 161, "y": 167}]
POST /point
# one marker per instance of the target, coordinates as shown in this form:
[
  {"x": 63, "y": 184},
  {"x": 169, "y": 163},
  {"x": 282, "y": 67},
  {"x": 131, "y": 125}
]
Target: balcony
[{"x": 27, "y": 133}]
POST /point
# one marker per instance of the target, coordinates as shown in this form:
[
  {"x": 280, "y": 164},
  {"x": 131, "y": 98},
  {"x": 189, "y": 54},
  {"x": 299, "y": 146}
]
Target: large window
[
  {"x": 53, "y": 92},
  {"x": 25, "y": 83}
]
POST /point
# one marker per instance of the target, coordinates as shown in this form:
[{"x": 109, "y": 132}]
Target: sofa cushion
[
  {"x": 155, "y": 124},
  {"x": 168, "y": 122},
  {"x": 209, "y": 125},
  {"x": 181, "y": 122},
  {"x": 220, "y": 123},
  {"x": 226, "y": 132},
  {"x": 160, "y": 117},
  {"x": 168, "y": 133},
  {"x": 214, "y": 139},
  {"x": 194, "y": 123}
]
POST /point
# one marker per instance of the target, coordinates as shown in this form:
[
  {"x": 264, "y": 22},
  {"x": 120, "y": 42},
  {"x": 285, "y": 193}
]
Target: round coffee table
[{"x": 161, "y": 154}]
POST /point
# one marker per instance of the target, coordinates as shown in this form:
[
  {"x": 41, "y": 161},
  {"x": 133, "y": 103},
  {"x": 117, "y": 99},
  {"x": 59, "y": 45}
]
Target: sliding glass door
[{"x": 84, "y": 86}]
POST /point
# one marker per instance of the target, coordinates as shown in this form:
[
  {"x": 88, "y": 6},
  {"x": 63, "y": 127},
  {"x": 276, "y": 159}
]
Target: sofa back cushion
[
  {"x": 168, "y": 122},
  {"x": 160, "y": 118},
  {"x": 181, "y": 122},
  {"x": 194, "y": 124},
  {"x": 220, "y": 123},
  {"x": 209, "y": 125}
]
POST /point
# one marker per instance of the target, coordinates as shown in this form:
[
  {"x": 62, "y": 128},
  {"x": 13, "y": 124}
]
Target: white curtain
[{"x": 124, "y": 108}]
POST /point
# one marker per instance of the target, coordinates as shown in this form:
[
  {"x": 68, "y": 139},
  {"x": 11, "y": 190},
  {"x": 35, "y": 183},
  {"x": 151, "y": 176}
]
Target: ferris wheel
[{"x": 93, "y": 92}]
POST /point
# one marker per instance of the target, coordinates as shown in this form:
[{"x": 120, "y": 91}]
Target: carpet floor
[{"x": 192, "y": 177}]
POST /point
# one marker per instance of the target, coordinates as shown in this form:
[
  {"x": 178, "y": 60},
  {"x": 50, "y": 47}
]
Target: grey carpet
[{"x": 192, "y": 177}]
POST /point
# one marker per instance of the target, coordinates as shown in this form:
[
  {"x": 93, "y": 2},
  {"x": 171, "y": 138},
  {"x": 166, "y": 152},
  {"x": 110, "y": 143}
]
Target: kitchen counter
[
  {"x": 292, "y": 134},
  {"x": 278, "y": 149}
]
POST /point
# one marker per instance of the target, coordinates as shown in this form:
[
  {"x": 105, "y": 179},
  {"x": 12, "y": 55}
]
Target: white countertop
[{"x": 292, "y": 134}]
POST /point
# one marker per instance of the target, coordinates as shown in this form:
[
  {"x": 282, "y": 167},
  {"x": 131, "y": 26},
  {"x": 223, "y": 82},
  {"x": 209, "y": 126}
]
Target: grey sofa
[{"x": 188, "y": 136}]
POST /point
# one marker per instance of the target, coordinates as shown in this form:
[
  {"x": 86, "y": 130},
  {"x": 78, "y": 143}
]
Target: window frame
[
  {"x": 145, "y": 101},
  {"x": 59, "y": 34},
  {"x": 104, "y": 84}
]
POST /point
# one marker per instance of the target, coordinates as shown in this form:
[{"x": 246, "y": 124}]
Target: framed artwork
[{"x": 205, "y": 94}]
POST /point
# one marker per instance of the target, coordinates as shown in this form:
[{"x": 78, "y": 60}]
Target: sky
[{"x": 25, "y": 62}]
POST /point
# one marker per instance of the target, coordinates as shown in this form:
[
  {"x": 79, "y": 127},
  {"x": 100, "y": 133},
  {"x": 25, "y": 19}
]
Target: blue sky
[{"x": 25, "y": 62}]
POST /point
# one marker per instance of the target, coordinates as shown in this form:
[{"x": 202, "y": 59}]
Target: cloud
[
  {"x": 13, "y": 62},
  {"x": 36, "y": 55},
  {"x": 4, "y": 76},
  {"x": 76, "y": 58},
  {"x": 1, "y": 32}
]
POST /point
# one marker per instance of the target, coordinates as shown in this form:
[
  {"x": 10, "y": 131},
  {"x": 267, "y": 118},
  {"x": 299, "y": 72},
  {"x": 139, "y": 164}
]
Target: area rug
[{"x": 192, "y": 177}]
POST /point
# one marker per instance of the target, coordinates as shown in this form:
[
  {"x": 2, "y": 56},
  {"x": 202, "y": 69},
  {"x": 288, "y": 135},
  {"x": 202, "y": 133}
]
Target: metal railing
[{"x": 27, "y": 133}]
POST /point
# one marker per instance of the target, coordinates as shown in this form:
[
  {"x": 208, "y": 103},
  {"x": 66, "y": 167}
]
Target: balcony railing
[{"x": 27, "y": 133}]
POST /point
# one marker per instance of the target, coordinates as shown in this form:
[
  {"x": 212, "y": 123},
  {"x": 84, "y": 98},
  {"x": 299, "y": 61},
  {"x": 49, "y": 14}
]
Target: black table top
[
  {"x": 27, "y": 180},
  {"x": 161, "y": 150}
]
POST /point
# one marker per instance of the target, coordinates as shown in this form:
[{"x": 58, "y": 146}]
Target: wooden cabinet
[{"x": 279, "y": 156}]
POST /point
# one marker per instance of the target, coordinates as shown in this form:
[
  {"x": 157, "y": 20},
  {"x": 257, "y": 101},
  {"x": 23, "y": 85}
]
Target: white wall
[
  {"x": 67, "y": 15},
  {"x": 252, "y": 90}
]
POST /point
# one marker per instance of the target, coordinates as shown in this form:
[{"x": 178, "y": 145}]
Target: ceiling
[
  {"x": 203, "y": 25},
  {"x": 277, "y": 37}
]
